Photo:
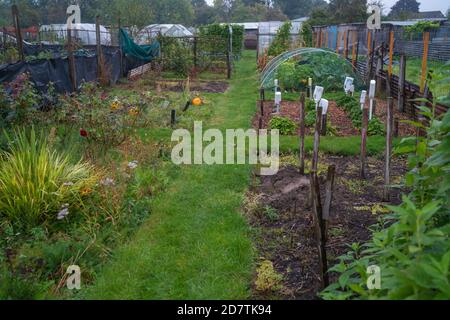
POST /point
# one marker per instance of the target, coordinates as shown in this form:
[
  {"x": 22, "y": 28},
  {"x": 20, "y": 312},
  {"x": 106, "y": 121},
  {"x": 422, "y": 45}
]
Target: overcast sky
[{"x": 425, "y": 5}]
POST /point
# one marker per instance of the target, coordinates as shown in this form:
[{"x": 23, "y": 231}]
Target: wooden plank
[
  {"x": 338, "y": 42},
  {"x": 354, "y": 43}
]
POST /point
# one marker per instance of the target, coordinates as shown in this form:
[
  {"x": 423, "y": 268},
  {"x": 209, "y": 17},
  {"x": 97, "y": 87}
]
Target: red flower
[{"x": 83, "y": 133}]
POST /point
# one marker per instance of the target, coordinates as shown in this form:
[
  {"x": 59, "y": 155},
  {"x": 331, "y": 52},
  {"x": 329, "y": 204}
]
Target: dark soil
[
  {"x": 337, "y": 117},
  {"x": 198, "y": 86},
  {"x": 289, "y": 240}
]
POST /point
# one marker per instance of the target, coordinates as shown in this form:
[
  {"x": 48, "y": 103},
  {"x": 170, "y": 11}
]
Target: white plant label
[
  {"x": 74, "y": 15},
  {"x": 318, "y": 92},
  {"x": 348, "y": 83},
  {"x": 324, "y": 105}
]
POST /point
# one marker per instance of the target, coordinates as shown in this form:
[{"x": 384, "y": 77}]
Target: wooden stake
[
  {"x": 19, "y": 40},
  {"x": 71, "y": 60},
  {"x": 426, "y": 41},
  {"x": 401, "y": 83},
  {"x": 100, "y": 71},
  {"x": 302, "y": 133},
  {"x": 391, "y": 52},
  {"x": 387, "y": 168},
  {"x": 173, "y": 117},
  {"x": 355, "y": 34},
  {"x": 329, "y": 188},
  {"x": 315, "y": 161},
  {"x": 320, "y": 229},
  {"x": 364, "y": 127},
  {"x": 345, "y": 53}
]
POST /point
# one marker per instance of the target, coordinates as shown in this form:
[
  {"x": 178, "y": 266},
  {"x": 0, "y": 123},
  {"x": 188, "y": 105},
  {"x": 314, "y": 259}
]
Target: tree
[
  {"x": 348, "y": 11},
  {"x": 299, "y": 8},
  {"x": 404, "y": 9}
]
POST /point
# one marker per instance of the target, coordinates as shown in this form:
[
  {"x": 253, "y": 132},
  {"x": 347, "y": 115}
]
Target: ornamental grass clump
[{"x": 36, "y": 181}]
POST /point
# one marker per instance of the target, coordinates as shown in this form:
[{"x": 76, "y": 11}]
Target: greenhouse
[{"x": 170, "y": 30}]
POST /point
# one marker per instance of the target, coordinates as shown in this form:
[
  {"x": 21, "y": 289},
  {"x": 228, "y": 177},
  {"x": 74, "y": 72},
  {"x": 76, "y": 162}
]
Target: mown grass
[{"x": 196, "y": 244}]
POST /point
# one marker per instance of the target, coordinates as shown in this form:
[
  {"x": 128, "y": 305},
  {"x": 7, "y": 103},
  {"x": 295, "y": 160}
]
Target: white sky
[{"x": 425, "y": 5}]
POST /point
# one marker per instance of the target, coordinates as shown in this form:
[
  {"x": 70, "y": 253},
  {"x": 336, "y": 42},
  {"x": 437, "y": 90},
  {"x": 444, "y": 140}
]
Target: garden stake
[
  {"x": 364, "y": 127},
  {"x": 387, "y": 170},
  {"x": 16, "y": 21},
  {"x": 320, "y": 228},
  {"x": 401, "y": 84},
  {"x": 302, "y": 134},
  {"x": 317, "y": 139},
  {"x": 328, "y": 196},
  {"x": 186, "y": 107}
]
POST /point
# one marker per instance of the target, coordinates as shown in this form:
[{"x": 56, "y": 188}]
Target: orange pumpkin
[{"x": 197, "y": 101}]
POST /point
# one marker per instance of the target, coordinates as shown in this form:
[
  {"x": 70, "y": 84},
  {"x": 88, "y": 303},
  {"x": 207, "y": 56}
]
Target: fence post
[
  {"x": 337, "y": 42},
  {"x": 320, "y": 228},
  {"x": 426, "y": 41},
  {"x": 329, "y": 193},
  {"x": 387, "y": 170},
  {"x": 364, "y": 127},
  {"x": 346, "y": 44},
  {"x": 354, "y": 35},
  {"x": 99, "y": 49},
  {"x": 228, "y": 59},
  {"x": 401, "y": 83},
  {"x": 302, "y": 133},
  {"x": 120, "y": 47},
  {"x": 315, "y": 161},
  {"x": 16, "y": 21},
  {"x": 391, "y": 52},
  {"x": 195, "y": 51},
  {"x": 71, "y": 60}
]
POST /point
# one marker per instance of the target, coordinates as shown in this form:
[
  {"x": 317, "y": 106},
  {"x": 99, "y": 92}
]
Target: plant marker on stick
[
  {"x": 318, "y": 92},
  {"x": 373, "y": 85},
  {"x": 277, "y": 101},
  {"x": 310, "y": 87},
  {"x": 348, "y": 83},
  {"x": 324, "y": 105},
  {"x": 362, "y": 101}
]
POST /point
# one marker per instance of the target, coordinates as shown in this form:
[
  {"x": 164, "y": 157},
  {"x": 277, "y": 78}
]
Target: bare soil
[{"x": 289, "y": 240}]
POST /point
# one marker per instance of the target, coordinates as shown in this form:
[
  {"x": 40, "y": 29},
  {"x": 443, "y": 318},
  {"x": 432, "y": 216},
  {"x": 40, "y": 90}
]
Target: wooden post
[
  {"x": 71, "y": 60},
  {"x": 329, "y": 188},
  {"x": 323, "y": 130},
  {"x": 195, "y": 51},
  {"x": 120, "y": 48},
  {"x": 315, "y": 161},
  {"x": 364, "y": 127},
  {"x": 355, "y": 34},
  {"x": 19, "y": 40},
  {"x": 369, "y": 43},
  {"x": 426, "y": 41},
  {"x": 302, "y": 133},
  {"x": 228, "y": 60},
  {"x": 262, "y": 94},
  {"x": 346, "y": 44},
  {"x": 100, "y": 70},
  {"x": 338, "y": 42},
  {"x": 173, "y": 117},
  {"x": 387, "y": 168},
  {"x": 401, "y": 83},
  {"x": 391, "y": 52},
  {"x": 326, "y": 39},
  {"x": 396, "y": 128},
  {"x": 320, "y": 228},
  {"x": 357, "y": 53}
]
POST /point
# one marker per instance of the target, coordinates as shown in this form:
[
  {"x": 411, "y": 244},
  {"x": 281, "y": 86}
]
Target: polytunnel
[{"x": 293, "y": 68}]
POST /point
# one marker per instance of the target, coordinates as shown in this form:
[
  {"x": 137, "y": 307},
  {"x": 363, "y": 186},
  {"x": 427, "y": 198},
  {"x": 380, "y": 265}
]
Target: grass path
[{"x": 196, "y": 244}]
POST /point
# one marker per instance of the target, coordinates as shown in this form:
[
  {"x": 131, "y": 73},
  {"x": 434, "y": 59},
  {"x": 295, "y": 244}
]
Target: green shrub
[
  {"x": 310, "y": 118},
  {"x": 282, "y": 40},
  {"x": 285, "y": 125},
  {"x": 217, "y": 30},
  {"x": 375, "y": 128},
  {"x": 411, "y": 248},
  {"x": 35, "y": 182}
]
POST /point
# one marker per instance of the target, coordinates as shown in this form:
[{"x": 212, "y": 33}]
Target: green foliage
[
  {"x": 411, "y": 247},
  {"x": 285, "y": 125},
  {"x": 177, "y": 55},
  {"x": 325, "y": 68},
  {"x": 282, "y": 40},
  {"x": 222, "y": 31},
  {"x": 35, "y": 181},
  {"x": 306, "y": 34},
  {"x": 375, "y": 127},
  {"x": 421, "y": 27}
]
